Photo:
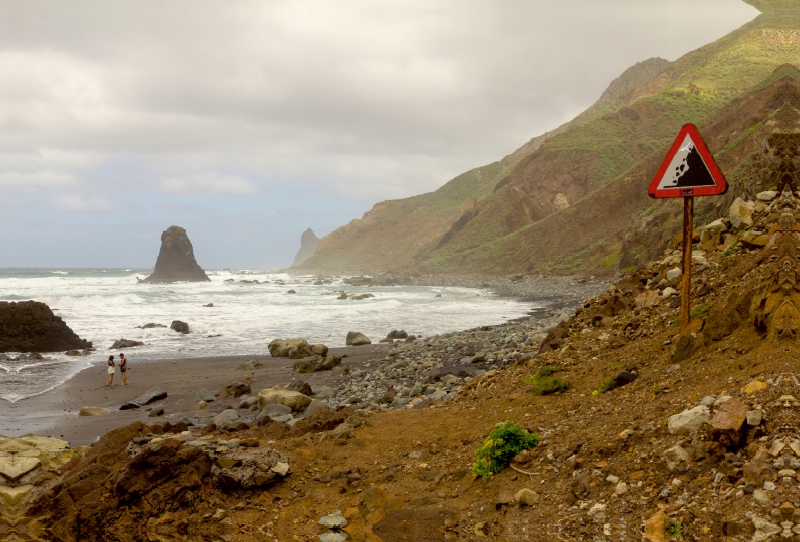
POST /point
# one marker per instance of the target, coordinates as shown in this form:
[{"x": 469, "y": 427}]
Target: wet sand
[{"x": 55, "y": 413}]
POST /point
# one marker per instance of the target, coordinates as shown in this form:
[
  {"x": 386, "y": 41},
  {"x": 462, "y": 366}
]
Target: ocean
[{"x": 103, "y": 305}]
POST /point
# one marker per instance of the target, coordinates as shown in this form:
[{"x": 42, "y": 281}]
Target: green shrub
[
  {"x": 695, "y": 312},
  {"x": 676, "y": 529},
  {"x": 547, "y": 370},
  {"x": 544, "y": 383},
  {"x": 549, "y": 385},
  {"x": 505, "y": 441},
  {"x": 608, "y": 384}
]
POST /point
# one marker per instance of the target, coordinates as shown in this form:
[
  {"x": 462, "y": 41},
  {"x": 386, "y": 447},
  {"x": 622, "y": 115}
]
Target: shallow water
[{"x": 103, "y": 305}]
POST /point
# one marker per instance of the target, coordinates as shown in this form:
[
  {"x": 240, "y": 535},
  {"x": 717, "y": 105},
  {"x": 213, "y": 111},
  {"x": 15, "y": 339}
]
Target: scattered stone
[
  {"x": 526, "y": 497},
  {"x": 754, "y": 418},
  {"x": 355, "y": 338},
  {"x": 688, "y": 421},
  {"x": 675, "y": 456},
  {"x": 93, "y": 411},
  {"x": 251, "y": 365},
  {"x": 235, "y": 388},
  {"x": 314, "y": 364},
  {"x": 727, "y": 424},
  {"x": 125, "y": 343},
  {"x": 205, "y": 396},
  {"x": 180, "y": 327},
  {"x": 154, "y": 394},
  {"x": 296, "y": 349},
  {"x": 754, "y": 386},
  {"x": 333, "y": 521},
  {"x": 741, "y": 214},
  {"x": 292, "y": 399},
  {"x": 300, "y": 386}
]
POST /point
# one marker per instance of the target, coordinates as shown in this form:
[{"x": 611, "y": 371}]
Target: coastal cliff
[{"x": 308, "y": 245}]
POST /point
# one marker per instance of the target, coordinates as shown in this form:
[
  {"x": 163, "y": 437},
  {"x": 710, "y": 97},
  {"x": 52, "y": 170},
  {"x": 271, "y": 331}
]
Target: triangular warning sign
[{"x": 688, "y": 170}]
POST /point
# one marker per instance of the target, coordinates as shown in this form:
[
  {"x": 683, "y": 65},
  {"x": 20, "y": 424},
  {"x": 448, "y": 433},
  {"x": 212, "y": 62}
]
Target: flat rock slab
[
  {"x": 727, "y": 424},
  {"x": 154, "y": 394},
  {"x": 14, "y": 468}
]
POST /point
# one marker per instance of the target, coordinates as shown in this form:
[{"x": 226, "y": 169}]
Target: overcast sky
[{"x": 246, "y": 122}]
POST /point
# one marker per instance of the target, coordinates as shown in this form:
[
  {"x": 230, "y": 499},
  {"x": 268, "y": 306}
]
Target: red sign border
[{"x": 711, "y": 165}]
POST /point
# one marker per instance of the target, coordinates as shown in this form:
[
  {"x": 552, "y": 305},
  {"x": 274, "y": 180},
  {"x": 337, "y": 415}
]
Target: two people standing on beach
[{"x": 123, "y": 369}]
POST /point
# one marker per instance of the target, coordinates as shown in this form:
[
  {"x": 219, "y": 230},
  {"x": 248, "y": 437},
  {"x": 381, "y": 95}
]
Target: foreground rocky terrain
[{"x": 646, "y": 434}]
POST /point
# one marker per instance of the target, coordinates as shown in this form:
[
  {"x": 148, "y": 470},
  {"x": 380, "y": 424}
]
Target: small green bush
[
  {"x": 544, "y": 383},
  {"x": 549, "y": 385},
  {"x": 608, "y": 384},
  {"x": 676, "y": 530},
  {"x": 505, "y": 441},
  {"x": 547, "y": 370}
]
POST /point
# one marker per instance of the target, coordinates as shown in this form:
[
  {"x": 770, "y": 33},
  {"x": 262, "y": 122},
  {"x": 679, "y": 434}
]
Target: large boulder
[
  {"x": 154, "y": 394},
  {"x": 355, "y": 338},
  {"x": 741, "y": 214},
  {"x": 125, "y": 343},
  {"x": 30, "y": 326},
  {"x": 292, "y": 399},
  {"x": 180, "y": 327},
  {"x": 729, "y": 422},
  {"x": 93, "y": 411},
  {"x": 315, "y": 363},
  {"x": 235, "y": 388},
  {"x": 176, "y": 261},
  {"x": 296, "y": 349},
  {"x": 688, "y": 421},
  {"x": 308, "y": 245}
]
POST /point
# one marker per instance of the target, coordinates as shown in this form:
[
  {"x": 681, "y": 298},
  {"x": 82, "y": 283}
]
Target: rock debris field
[{"x": 643, "y": 434}]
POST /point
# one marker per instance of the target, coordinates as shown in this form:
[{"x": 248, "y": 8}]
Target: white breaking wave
[{"x": 105, "y": 305}]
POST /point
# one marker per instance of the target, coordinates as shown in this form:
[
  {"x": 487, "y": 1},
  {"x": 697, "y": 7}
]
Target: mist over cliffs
[
  {"x": 574, "y": 200},
  {"x": 308, "y": 245}
]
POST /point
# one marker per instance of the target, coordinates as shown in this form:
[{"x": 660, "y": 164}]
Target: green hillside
[{"x": 477, "y": 222}]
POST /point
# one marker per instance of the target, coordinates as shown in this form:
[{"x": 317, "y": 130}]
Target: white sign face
[{"x": 687, "y": 168}]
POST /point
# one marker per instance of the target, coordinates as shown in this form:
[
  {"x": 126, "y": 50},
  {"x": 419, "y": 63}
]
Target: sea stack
[
  {"x": 30, "y": 326},
  {"x": 176, "y": 261},
  {"x": 308, "y": 245}
]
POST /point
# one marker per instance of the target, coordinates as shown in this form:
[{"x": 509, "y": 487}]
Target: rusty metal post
[{"x": 686, "y": 277}]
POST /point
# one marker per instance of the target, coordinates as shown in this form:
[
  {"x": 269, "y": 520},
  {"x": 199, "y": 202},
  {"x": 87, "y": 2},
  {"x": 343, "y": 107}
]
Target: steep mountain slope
[
  {"x": 393, "y": 232},
  {"x": 489, "y": 226}
]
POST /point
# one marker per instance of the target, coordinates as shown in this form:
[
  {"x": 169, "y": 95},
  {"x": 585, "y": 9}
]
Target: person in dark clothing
[{"x": 123, "y": 368}]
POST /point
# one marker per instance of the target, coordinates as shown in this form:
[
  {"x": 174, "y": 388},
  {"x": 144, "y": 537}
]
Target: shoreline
[{"x": 55, "y": 413}]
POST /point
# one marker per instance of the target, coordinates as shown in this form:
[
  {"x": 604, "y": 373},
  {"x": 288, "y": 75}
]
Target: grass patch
[
  {"x": 695, "y": 312},
  {"x": 728, "y": 251},
  {"x": 549, "y": 386},
  {"x": 676, "y": 529},
  {"x": 607, "y": 385},
  {"x": 544, "y": 383},
  {"x": 505, "y": 441}
]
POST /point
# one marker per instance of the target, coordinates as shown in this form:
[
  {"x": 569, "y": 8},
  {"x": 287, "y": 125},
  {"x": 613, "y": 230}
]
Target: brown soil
[{"x": 599, "y": 473}]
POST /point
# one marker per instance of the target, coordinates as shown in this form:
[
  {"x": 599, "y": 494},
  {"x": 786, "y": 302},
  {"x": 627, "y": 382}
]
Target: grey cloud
[{"x": 363, "y": 99}]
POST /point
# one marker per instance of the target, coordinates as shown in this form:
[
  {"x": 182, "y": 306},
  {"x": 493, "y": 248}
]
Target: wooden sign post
[{"x": 689, "y": 170}]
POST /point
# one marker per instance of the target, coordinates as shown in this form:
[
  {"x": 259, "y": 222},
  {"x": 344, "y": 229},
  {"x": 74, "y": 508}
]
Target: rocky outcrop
[
  {"x": 176, "y": 261},
  {"x": 296, "y": 349},
  {"x": 125, "y": 343},
  {"x": 308, "y": 245},
  {"x": 30, "y": 326}
]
